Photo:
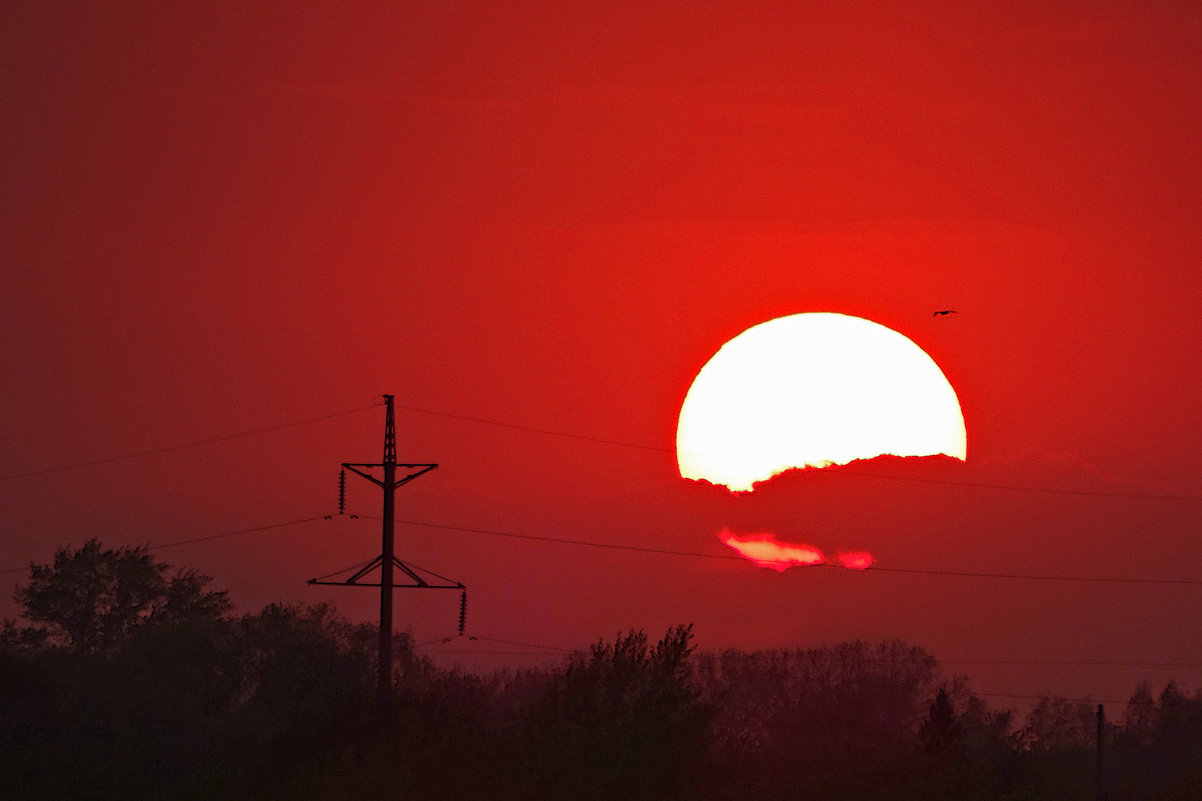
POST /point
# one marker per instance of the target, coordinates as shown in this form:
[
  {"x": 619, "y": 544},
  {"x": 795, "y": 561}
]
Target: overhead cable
[
  {"x": 913, "y": 479},
  {"x": 208, "y": 538},
  {"x": 182, "y": 446},
  {"x": 873, "y": 569}
]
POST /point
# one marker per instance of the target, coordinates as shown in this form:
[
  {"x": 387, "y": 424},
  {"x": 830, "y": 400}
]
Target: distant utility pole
[
  {"x": 386, "y": 561},
  {"x": 1101, "y": 787}
]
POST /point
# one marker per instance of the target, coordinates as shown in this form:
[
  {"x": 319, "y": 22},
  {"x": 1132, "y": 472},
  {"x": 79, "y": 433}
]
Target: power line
[
  {"x": 1034, "y": 577},
  {"x": 1003, "y": 662},
  {"x": 477, "y": 637},
  {"x": 564, "y": 541},
  {"x": 1061, "y": 663},
  {"x": 433, "y": 642},
  {"x": 474, "y": 651},
  {"x": 550, "y": 650},
  {"x": 874, "y": 568},
  {"x": 526, "y": 644},
  {"x": 535, "y": 430},
  {"x": 171, "y": 448},
  {"x": 1048, "y": 697},
  {"x": 971, "y": 692},
  {"x": 912, "y": 479},
  {"x": 1043, "y": 662},
  {"x": 234, "y": 533},
  {"x": 602, "y": 440},
  {"x": 670, "y": 552},
  {"x": 191, "y": 540},
  {"x": 1016, "y": 488}
]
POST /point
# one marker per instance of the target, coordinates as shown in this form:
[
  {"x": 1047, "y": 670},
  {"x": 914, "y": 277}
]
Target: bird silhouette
[{"x": 943, "y": 312}]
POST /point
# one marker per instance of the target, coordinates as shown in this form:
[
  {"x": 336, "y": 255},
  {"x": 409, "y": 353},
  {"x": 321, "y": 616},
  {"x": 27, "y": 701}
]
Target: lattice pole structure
[{"x": 386, "y": 561}]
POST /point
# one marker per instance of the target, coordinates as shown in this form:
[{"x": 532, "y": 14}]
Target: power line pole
[
  {"x": 1101, "y": 783},
  {"x": 387, "y": 560},
  {"x": 389, "y": 486}
]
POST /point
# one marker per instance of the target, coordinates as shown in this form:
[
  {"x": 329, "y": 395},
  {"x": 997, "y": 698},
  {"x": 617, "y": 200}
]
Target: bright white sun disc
[{"x": 814, "y": 389}]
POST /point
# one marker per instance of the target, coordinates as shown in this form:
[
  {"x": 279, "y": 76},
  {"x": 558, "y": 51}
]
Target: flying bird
[{"x": 943, "y": 312}]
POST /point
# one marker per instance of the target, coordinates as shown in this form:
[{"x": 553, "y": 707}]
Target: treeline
[{"x": 126, "y": 678}]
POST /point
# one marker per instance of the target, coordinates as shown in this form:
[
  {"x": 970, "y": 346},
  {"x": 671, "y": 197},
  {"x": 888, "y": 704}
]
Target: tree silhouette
[
  {"x": 790, "y": 707},
  {"x": 623, "y": 721},
  {"x": 1058, "y": 724},
  {"x": 131, "y": 679},
  {"x": 941, "y": 730},
  {"x": 1142, "y": 717},
  {"x": 94, "y": 599}
]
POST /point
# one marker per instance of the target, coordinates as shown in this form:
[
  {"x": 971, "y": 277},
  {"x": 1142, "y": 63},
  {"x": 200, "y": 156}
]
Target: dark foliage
[
  {"x": 622, "y": 721},
  {"x": 127, "y": 679},
  {"x": 95, "y": 600}
]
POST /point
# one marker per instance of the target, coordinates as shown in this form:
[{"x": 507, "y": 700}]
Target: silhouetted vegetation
[{"x": 128, "y": 679}]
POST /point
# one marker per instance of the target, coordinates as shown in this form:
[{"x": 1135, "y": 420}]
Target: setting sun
[{"x": 814, "y": 389}]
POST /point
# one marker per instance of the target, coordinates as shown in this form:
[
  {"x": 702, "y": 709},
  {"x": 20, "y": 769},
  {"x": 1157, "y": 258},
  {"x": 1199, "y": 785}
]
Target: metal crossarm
[
  {"x": 412, "y": 571},
  {"x": 386, "y": 561}
]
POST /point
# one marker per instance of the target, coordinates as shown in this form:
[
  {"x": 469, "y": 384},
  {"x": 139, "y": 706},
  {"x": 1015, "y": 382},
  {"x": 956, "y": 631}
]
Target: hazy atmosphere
[{"x": 534, "y": 227}]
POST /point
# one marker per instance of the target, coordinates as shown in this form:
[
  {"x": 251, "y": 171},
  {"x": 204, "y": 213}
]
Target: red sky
[{"x": 218, "y": 221}]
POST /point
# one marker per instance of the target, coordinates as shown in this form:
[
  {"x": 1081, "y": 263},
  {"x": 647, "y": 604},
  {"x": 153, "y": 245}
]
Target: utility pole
[
  {"x": 1101, "y": 784},
  {"x": 389, "y": 539},
  {"x": 386, "y": 561}
]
